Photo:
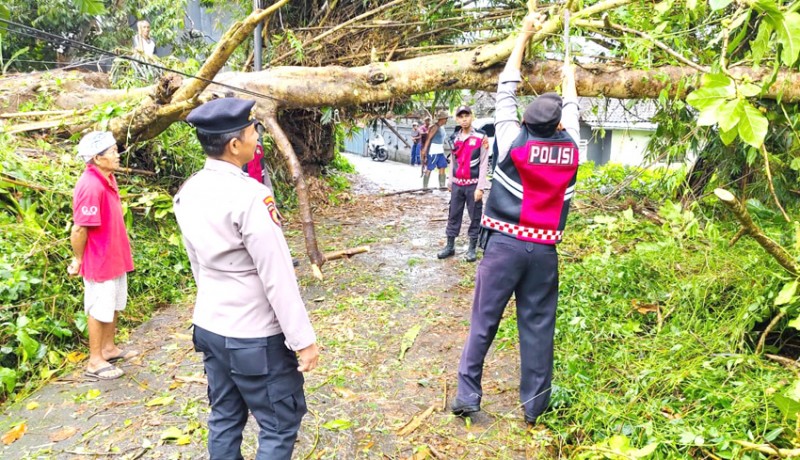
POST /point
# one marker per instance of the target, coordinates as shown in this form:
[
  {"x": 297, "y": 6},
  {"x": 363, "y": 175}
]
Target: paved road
[{"x": 388, "y": 176}]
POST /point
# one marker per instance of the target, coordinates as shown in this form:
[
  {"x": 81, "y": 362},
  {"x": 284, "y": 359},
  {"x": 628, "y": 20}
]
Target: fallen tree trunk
[
  {"x": 309, "y": 87},
  {"x": 283, "y": 88}
]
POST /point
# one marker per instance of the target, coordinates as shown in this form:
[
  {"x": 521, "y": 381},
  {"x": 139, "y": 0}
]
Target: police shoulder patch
[{"x": 273, "y": 210}]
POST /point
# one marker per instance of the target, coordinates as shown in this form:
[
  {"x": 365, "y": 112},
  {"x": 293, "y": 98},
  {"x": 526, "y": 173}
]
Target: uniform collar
[{"x": 223, "y": 166}]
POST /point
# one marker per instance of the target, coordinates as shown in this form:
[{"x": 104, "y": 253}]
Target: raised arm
[
  {"x": 506, "y": 121},
  {"x": 570, "y": 113}
]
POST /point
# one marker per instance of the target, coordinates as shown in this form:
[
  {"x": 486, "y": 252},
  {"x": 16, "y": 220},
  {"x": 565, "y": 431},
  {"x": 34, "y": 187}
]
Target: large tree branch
[
  {"x": 285, "y": 147},
  {"x": 774, "y": 249},
  {"x": 235, "y": 35}
]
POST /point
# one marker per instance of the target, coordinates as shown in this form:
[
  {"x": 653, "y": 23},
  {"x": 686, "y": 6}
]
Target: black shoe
[
  {"x": 463, "y": 410},
  {"x": 449, "y": 250},
  {"x": 295, "y": 262},
  {"x": 472, "y": 252},
  {"x": 531, "y": 421}
]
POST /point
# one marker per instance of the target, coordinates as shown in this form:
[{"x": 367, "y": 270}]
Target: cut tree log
[{"x": 345, "y": 253}]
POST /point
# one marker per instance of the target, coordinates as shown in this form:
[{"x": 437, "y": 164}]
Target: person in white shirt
[{"x": 142, "y": 42}]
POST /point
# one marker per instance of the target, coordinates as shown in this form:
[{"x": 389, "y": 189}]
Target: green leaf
[
  {"x": 795, "y": 165},
  {"x": 643, "y": 452},
  {"x": 749, "y": 90},
  {"x": 160, "y": 401},
  {"x": 663, "y": 7},
  {"x": 5, "y": 13},
  {"x": 707, "y": 97},
  {"x": 788, "y": 32},
  {"x": 795, "y": 323},
  {"x": 90, "y": 7},
  {"x": 788, "y": 407},
  {"x": 171, "y": 433},
  {"x": 717, "y": 80},
  {"x": 753, "y": 126},
  {"x": 691, "y": 4},
  {"x": 338, "y": 425},
  {"x": 8, "y": 379},
  {"x": 760, "y": 45},
  {"x": 619, "y": 443},
  {"x": 29, "y": 345},
  {"x": 787, "y": 293},
  {"x": 719, "y": 4},
  {"x": 773, "y": 435},
  {"x": 793, "y": 392},
  {"x": 408, "y": 339},
  {"x": 770, "y": 8},
  {"x": 727, "y": 136},
  {"x": 708, "y": 116},
  {"x": 729, "y": 113}
]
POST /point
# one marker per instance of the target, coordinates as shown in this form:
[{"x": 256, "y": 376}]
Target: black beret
[
  {"x": 222, "y": 116},
  {"x": 544, "y": 110}
]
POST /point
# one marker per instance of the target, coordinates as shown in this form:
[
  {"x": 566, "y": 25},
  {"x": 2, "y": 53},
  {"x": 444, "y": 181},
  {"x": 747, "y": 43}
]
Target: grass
[{"x": 651, "y": 340}]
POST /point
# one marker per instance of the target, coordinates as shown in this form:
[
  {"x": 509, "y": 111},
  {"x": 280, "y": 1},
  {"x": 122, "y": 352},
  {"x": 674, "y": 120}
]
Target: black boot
[
  {"x": 448, "y": 250},
  {"x": 472, "y": 254}
]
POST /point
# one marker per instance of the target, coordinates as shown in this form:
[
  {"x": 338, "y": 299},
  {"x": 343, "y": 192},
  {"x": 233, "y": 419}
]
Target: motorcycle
[{"x": 377, "y": 148}]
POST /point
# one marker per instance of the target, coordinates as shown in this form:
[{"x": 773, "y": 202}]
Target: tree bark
[
  {"x": 334, "y": 86},
  {"x": 285, "y": 147}
]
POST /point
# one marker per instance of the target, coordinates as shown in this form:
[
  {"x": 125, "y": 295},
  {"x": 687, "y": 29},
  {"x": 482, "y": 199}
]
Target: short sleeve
[{"x": 86, "y": 204}]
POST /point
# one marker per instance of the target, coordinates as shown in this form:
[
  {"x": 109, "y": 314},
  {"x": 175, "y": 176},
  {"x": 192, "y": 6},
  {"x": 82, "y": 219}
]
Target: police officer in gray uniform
[{"x": 250, "y": 322}]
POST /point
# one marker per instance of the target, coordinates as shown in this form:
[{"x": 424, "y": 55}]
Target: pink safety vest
[{"x": 532, "y": 188}]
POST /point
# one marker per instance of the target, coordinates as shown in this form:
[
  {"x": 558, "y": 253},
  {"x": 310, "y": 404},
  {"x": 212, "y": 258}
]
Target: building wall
[
  {"x": 397, "y": 150},
  {"x": 628, "y": 146}
]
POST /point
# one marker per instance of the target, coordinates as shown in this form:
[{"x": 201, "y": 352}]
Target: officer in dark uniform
[
  {"x": 249, "y": 320},
  {"x": 523, "y": 220}
]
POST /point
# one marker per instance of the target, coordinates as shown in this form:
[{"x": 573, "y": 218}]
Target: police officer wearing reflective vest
[
  {"x": 250, "y": 322},
  {"x": 467, "y": 181},
  {"x": 522, "y": 221}
]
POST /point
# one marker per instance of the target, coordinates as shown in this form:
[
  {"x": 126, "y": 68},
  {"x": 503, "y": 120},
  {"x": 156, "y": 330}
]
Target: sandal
[
  {"x": 109, "y": 372},
  {"x": 124, "y": 355}
]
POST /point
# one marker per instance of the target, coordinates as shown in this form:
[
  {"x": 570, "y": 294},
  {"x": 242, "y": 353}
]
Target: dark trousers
[
  {"x": 530, "y": 272},
  {"x": 461, "y": 196},
  {"x": 256, "y": 374}
]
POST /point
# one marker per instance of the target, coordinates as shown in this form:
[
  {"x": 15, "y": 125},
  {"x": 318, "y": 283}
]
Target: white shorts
[{"x": 101, "y": 300}]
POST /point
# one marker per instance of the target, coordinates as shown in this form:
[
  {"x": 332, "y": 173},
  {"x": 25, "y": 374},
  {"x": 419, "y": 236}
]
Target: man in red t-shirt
[{"x": 102, "y": 251}]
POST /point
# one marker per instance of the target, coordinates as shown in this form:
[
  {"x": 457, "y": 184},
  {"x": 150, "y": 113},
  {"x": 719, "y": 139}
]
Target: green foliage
[
  {"x": 101, "y": 23},
  {"x": 654, "y": 332},
  {"x": 721, "y": 101},
  {"x": 42, "y": 315}
]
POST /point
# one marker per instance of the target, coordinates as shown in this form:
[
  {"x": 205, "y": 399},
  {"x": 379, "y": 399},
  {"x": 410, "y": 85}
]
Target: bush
[{"x": 41, "y": 308}]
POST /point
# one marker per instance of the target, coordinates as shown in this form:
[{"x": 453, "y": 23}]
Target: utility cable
[{"x": 57, "y": 40}]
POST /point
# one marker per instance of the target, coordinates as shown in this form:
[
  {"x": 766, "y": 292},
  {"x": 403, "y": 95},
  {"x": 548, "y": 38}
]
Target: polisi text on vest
[{"x": 551, "y": 154}]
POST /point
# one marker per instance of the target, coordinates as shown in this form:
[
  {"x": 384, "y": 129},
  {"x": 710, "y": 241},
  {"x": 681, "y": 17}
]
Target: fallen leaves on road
[
  {"x": 63, "y": 434},
  {"x": 408, "y": 340},
  {"x": 76, "y": 357},
  {"x": 175, "y": 434},
  {"x": 160, "y": 401},
  {"x": 15, "y": 433},
  {"x": 338, "y": 425}
]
